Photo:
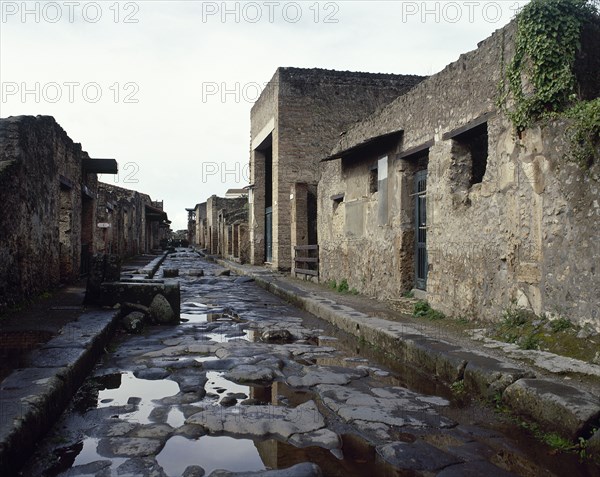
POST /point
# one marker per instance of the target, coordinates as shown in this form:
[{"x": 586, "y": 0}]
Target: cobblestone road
[{"x": 248, "y": 383}]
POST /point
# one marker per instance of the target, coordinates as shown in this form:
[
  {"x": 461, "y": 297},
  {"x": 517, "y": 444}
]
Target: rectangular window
[
  {"x": 472, "y": 147},
  {"x": 373, "y": 179}
]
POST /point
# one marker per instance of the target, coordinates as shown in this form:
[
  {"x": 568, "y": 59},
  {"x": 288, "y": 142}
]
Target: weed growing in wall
[{"x": 540, "y": 79}]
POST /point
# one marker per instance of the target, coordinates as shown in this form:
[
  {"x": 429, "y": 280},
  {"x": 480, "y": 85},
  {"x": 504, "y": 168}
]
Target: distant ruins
[{"x": 55, "y": 215}]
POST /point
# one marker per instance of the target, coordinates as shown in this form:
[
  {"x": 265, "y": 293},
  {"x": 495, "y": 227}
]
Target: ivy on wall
[{"x": 540, "y": 78}]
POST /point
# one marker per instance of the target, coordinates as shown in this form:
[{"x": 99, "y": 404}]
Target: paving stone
[
  {"x": 557, "y": 406},
  {"x": 151, "y": 373},
  {"x": 129, "y": 447},
  {"x": 320, "y": 375},
  {"x": 260, "y": 421},
  {"x": 322, "y": 438},
  {"x": 247, "y": 373},
  {"x": 153, "y": 431},
  {"x": 141, "y": 467},
  {"x": 193, "y": 471},
  {"x": 390, "y": 406},
  {"x": 93, "y": 468},
  {"x": 476, "y": 468},
  {"x": 299, "y": 470},
  {"x": 192, "y": 382},
  {"x": 417, "y": 456}
]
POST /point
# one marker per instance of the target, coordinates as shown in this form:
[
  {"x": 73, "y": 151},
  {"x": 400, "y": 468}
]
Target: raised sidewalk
[{"x": 561, "y": 394}]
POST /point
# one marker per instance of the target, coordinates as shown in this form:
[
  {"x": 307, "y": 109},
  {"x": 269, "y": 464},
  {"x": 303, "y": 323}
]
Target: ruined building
[
  {"x": 436, "y": 193},
  {"x": 220, "y": 225},
  {"x": 129, "y": 222},
  {"x": 54, "y": 214},
  {"x": 295, "y": 123}
]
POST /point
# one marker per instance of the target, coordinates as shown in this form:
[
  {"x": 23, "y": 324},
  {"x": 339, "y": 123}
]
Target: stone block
[
  {"x": 142, "y": 293},
  {"x": 556, "y": 406}
]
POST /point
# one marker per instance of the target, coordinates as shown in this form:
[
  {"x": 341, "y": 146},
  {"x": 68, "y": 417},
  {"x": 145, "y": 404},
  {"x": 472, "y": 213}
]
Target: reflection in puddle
[
  {"x": 210, "y": 453},
  {"x": 141, "y": 392},
  {"x": 221, "y": 387},
  {"x": 89, "y": 453},
  {"x": 175, "y": 418}
]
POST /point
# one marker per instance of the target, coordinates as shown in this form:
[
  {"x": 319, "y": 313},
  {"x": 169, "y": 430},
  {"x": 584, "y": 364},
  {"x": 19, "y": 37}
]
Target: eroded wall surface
[
  {"x": 41, "y": 201},
  {"x": 526, "y": 233}
]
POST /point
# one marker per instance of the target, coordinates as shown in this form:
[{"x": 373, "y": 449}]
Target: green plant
[
  {"x": 421, "y": 308},
  {"x": 343, "y": 286},
  {"x": 540, "y": 77},
  {"x": 554, "y": 440},
  {"x": 514, "y": 317},
  {"x": 353, "y": 291},
  {"x": 560, "y": 324},
  {"x": 332, "y": 284},
  {"x": 584, "y": 132},
  {"x": 531, "y": 341},
  {"x": 496, "y": 399},
  {"x": 458, "y": 387},
  {"x": 408, "y": 294}
]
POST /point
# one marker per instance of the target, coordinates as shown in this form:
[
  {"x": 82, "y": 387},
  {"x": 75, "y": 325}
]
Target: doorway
[{"x": 421, "y": 264}]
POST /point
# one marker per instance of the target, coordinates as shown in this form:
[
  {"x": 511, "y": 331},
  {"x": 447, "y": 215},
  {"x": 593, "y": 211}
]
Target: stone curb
[
  {"x": 151, "y": 268},
  {"x": 482, "y": 374},
  {"x": 32, "y": 398}
]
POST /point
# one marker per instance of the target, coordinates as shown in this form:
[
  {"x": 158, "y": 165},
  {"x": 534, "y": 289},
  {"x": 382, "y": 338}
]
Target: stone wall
[
  {"x": 300, "y": 115},
  {"x": 134, "y": 221},
  {"x": 526, "y": 231},
  {"x": 43, "y": 194},
  {"x": 216, "y": 229}
]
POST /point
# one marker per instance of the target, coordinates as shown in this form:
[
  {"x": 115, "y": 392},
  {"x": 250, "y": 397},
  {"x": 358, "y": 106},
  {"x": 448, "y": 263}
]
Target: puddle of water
[
  {"x": 221, "y": 387},
  {"x": 81, "y": 453},
  {"x": 132, "y": 387},
  {"x": 211, "y": 453},
  {"x": 175, "y": 418}
]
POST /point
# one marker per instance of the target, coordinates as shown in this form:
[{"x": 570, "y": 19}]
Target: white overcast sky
[{"x": 166, "y": 87}]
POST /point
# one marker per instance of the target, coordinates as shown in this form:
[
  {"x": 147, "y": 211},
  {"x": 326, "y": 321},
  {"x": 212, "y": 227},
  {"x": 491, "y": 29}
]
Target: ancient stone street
[{"x": 247, "y": 383}]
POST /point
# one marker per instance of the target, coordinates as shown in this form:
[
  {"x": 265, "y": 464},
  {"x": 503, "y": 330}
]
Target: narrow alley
[{"x": 248, "y": 383}]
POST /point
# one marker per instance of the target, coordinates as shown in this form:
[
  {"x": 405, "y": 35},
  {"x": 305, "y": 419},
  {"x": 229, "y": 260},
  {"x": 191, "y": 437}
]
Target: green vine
[{"x": 540, "y": 76}]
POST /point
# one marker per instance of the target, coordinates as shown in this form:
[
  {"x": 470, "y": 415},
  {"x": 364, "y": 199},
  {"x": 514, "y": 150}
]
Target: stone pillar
[
  {"x": 299, "y": 217},
  {"x": 235, "y": 233},
  {"x": 244, "y": 243},
  {"x": 256, "y": 202}
]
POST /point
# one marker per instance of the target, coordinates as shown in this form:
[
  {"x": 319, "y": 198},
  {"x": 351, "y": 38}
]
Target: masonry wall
[
  {"x": 307, "y": 110},
  {"x": 41, "y": 204},
  {"x": 221, "y": 214},
  {"x": 134, "y": 226},
  {"x": 527, "y": 233}
]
